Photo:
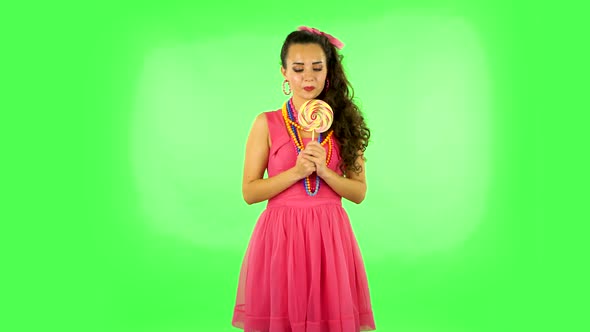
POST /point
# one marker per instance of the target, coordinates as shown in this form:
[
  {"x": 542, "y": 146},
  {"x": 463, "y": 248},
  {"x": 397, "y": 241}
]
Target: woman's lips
[{"x": 308, "y": 88}]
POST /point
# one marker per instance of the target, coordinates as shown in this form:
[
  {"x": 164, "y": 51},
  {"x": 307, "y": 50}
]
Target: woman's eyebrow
[{"x": 313, "y": 63}]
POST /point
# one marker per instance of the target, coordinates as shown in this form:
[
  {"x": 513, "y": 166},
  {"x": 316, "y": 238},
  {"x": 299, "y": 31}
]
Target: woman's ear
[{"x": 283, "y": 71}]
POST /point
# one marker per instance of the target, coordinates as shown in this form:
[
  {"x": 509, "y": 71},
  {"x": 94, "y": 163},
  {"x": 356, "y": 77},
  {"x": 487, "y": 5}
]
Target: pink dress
[{"x": 302, "y": 270}]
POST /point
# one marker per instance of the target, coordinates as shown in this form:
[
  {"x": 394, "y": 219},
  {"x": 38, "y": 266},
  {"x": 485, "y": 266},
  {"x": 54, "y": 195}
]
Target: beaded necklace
[{"x": 293, "y": 129}]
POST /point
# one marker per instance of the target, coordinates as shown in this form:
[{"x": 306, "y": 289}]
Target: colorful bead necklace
[{"x": 293, "y": 129}]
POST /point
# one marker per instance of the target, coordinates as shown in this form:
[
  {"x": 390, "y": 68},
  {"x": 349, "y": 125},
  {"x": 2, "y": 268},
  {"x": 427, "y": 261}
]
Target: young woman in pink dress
[{"x": 303, "y": 270}]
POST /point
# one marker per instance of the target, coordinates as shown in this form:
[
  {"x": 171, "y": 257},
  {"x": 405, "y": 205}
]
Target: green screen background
[{"x": 123, "y": 183}]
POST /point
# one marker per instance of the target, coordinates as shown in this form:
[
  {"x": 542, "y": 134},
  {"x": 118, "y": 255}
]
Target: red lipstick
[{"x": 308, "y": 88}]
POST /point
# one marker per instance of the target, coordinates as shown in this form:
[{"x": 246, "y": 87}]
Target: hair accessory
[{"x": 333, "y": 40}]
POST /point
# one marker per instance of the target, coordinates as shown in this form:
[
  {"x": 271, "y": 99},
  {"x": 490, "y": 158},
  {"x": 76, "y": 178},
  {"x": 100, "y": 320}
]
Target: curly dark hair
[{"x": 349, "y": 125}]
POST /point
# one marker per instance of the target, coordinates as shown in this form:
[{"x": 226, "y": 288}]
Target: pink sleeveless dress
[{"x": 302, "y": 270}]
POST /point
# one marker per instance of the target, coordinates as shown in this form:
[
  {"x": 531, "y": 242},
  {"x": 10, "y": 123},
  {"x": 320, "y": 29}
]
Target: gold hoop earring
[{"x": 284, "y": 89}]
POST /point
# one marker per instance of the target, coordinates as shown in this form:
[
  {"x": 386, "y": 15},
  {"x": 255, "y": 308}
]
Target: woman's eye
[{"x": 315, "y": 69}]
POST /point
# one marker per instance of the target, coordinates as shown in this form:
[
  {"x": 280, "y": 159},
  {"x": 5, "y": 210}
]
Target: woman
[{"x": 303, "y": 269}]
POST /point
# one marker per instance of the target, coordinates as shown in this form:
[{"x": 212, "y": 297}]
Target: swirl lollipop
[{"x": 316, "y": 116}]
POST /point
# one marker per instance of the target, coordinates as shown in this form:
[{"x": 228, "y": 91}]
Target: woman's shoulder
[
  {"x": 266, "y": 118},
  {"x": 267, "y": 123},
  {"x": 272, "y": 112},
  {"x": 271, "y": 116}
]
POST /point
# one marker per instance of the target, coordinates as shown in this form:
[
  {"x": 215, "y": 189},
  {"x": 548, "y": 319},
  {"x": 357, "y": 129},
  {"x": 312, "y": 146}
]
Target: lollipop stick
[{"x": 312, "y": 134}]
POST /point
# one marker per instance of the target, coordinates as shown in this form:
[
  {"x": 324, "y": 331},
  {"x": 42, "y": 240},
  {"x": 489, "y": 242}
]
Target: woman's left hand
[{"x": 316, "y": 152}]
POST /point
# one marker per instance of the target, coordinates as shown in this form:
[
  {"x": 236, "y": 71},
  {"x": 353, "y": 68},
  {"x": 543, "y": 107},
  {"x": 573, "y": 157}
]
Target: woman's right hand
[{"x": 303, "y": 166}]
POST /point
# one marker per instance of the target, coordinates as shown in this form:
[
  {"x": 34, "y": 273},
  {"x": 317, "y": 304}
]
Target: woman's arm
[
  {"x": 256, "y": 189},
  {"x": 352, "y": 187}
]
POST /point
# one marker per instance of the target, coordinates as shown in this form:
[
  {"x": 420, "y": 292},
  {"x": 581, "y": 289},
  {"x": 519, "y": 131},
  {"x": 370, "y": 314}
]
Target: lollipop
[{"x": 316, "y": 116}]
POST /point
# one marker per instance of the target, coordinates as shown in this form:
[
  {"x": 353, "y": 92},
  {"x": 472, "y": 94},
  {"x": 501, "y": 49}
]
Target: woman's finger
[
  {"x": 315, "y": 160},
  {"x": 314, "y": 150},
  {"x": 308, "y": 153},
  {"x": 309, "y": 164},
  {"x": 308, "y": 158}
]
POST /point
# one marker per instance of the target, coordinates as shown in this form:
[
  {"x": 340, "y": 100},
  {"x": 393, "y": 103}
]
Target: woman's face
[{"x": 306, "y": 71}]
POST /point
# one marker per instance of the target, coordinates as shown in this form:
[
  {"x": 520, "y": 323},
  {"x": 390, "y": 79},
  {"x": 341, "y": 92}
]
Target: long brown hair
[{"x": 349, "y": 125}]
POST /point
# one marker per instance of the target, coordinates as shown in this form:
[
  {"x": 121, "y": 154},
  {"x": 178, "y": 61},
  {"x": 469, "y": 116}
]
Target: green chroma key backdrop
[{"x": 141, "y": 225}]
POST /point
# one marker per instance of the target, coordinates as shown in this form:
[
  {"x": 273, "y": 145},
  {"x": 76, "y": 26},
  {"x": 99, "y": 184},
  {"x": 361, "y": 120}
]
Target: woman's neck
[{"x": 297, "y": 103}]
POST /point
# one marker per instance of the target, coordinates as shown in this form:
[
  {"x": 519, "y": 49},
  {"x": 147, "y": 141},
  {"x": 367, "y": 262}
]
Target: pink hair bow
[{"x": 333, "y": 40}]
